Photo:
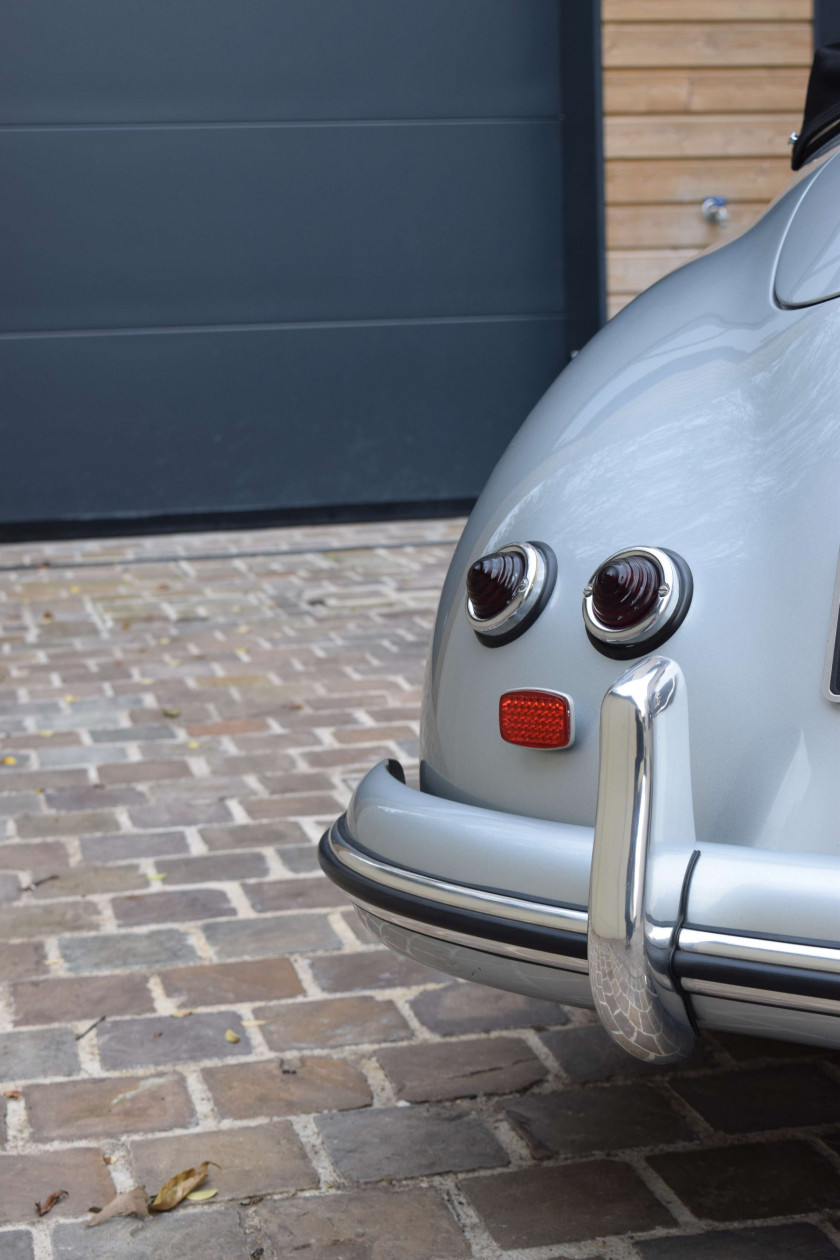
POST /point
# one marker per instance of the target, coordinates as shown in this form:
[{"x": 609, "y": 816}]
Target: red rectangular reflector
[{"x": 536, "y": 719}]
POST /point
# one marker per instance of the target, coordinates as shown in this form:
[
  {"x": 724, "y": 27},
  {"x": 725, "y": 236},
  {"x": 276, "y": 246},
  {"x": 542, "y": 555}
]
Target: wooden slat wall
[{"x": 699, "y": 99}]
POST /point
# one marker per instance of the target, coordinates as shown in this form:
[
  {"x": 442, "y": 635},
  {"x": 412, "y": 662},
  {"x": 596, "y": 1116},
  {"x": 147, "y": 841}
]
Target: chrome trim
[
  {"x": 547, "y": 691},
  {"x": 659, "y": 615},
  {"x": 521, "y": 953},
  {"x": 456, "y": 896},
  {"x": 637, "y": 816},
  {"x": 753, "y": 949},
  {"x": 527, "y": 593},
  {"x": 761, "y": 997}
]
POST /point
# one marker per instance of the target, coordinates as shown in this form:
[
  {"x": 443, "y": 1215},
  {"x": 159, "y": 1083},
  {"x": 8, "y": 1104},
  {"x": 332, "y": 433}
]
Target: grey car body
[{"x": 678, "y": 866}]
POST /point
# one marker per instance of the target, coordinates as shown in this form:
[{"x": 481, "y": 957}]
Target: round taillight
[
  {"x": 624, "y": 591},
  {"x": 508, "y": 589},
  {"x": 492, "y": 583},
  {"x": 635, "y": 600}
]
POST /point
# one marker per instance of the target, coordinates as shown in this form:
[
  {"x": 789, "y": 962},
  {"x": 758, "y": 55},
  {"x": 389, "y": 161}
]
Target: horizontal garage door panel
[
  {"x": 163, "y": 227},
  {"x": 108, "y": 61},
  {"x": 193, "y": 422}
]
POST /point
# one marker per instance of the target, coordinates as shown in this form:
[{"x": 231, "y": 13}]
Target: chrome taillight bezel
[
  {"x": 674, "y": 597},
  {"x": 531, "y": 596}
]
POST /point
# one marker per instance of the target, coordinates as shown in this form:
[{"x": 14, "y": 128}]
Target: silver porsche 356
[{"x": 630, "y": 750}]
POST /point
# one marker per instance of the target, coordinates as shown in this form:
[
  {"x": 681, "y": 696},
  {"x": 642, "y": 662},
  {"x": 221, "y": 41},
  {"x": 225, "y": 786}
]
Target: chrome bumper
[{"x": 664, "y": 929}]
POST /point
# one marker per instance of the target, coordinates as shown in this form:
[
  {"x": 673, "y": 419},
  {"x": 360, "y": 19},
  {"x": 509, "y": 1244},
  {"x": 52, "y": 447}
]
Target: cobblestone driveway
[{"x": 179, "y": 718}]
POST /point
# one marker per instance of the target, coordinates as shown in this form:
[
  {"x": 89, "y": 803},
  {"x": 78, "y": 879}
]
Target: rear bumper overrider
[{"x": 662, "y": 935}]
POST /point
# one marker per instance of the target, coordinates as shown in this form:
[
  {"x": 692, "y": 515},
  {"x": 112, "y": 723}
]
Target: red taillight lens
[
  {"x": 536, "y": 719},
  {"x": 624, "y": 591},
  {"x": 492, "y": 582}
]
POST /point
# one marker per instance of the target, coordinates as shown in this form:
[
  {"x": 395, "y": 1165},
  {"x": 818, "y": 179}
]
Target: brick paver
[{"x": 179, "y": 719}]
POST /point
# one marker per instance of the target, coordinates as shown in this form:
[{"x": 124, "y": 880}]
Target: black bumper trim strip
[
  {"x": 798, "y": 981},
  {"x": 470, "y": 922}
]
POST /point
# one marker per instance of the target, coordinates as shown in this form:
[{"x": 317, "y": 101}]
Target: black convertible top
[{"x": 822, "y": 106}]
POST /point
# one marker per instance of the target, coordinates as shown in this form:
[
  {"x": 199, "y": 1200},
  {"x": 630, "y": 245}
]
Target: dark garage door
[{"x": 287, "y": 256}]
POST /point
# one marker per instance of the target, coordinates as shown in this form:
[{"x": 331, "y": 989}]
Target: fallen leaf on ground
[
  {"x": 69, "y": 698},
  {"x": 231, "y": 1036},
  {"x": 46, "y": 734},
  {"x": 180, "y": 1014},
  {"x": 171, "y": 713},
  {"x": 10, "y": 761},
  {"x": 179, "y": 1186},
  {"x": 130, "y": 1203},
  {"x": 193, "y": 744},
  {"x": 11, "y": 1093},
  {"x": 201, "y": 1196},
  {"x": 50, "y": 1202},
  {"x": 155, "y": 879},
  {"x": 252, "y": 1200},
  {"x": 253, "y": 1023}
]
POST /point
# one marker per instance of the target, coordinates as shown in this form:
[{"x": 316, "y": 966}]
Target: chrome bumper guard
[{"x": 660, "y": 924}]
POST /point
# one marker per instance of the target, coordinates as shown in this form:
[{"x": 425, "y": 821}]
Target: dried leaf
[
  {"x": 231, "y": 1036},
  {"x": 156, "y": 879},
  {"x": 171, "y": 713},
  {"x": 50, "y": 1202},
  {"x": 181, "y": 1014},
  {"x": 201, "y": 1196},
  {"x": 193, "y": 744},
  {"x": 10, "y": 761},
  {"x": 75, "y": 590},
  {"x": 179, "y": 1186},
  {"x": 131, "y": 1203},
  {"x": 253, "y": 1023},
  {"x": 70, "y": 698},
  {"x": 11, "y": 1093}
]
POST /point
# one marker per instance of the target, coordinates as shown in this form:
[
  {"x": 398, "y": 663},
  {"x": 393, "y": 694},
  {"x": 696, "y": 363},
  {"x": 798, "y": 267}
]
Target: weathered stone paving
[{"x": 179, "y": 719}]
